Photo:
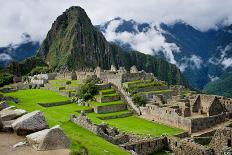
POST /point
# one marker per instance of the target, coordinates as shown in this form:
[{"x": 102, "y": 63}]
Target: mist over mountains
[{"x": 203, "y": 57}]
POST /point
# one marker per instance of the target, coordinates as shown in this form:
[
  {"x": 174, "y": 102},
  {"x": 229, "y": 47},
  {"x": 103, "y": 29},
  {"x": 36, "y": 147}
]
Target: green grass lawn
[
  {"x": 60, "y": 115},
  {"x": 79, "y": 136},
  {"x": 138, "y": 125}
]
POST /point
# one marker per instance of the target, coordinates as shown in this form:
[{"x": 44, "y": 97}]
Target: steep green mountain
[
  {"x": 75, "y": 43},
  {"x": 222, "y": 86}
]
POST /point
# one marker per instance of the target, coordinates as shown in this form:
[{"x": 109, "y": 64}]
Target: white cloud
[
  {"x": 203, "y": 14},
  {"x": 35, "y": 17},
  {"x": 223, "y": 60},
  {"x": 149, "y": 42},
  {"x": 194, "y": 62},
  {"x": 213, "y": 78},
  {"x": 5, "y": 57},
  {"x": 227, "y": 62},
  {"x": 31, "y": 16}
]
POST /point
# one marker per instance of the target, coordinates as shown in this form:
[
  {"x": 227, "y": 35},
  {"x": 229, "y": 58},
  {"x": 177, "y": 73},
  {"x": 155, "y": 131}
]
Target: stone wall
[
  {"x": 173, "y": 117},
  {"x": 110, "y": 134},
  {"x": 55, "y": 103},
  {"x": 187, "y": 147},
  {"x": 145, "y": 147},
  {"x": 221, "y": 139},
  {"x": 103, "y": 99},
  {"x": 201, "y": 123},
  {"x": 166, "y": 115},
  {"x": 109, "y": 108}
]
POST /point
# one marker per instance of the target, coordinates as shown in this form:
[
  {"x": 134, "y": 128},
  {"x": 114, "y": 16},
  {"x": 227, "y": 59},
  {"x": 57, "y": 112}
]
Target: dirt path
[{"x": 7, "y": 140}]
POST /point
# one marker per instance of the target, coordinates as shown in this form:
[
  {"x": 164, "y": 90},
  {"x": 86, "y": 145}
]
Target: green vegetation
[
  {"x": 5, "y": 78},
  {"x": 222, "y": 86},
  {"x": 60, "y": 115},
  {"x": 157, "y": 91},
  {"x": 88, "y": 89},
  {"x": 26, "y": 66},
  {"x": 139, "y": 100},
  {"x": 39, "y": 70},
  {"x": 134, "y": 124}
]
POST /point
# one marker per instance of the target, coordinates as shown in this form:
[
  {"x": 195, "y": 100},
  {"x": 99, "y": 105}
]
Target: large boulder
[
  {"x": 10, "y": 114},
  {"x": 29, "y": 123},
  {"x": 48, "y": 139}
]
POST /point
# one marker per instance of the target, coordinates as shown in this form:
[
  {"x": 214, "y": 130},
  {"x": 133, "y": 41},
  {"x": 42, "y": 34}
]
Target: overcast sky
[{"x": 36, "y": 16}]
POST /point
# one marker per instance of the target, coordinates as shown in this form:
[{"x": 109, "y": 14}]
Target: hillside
[
  {"x": 75, "y": 43},
  {"x": 202, "y": 56}
]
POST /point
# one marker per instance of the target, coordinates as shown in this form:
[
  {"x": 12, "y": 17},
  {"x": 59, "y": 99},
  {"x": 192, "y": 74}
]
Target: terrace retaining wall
[
  {"x": 109, "y": 108},
  {"x": 145, "y": 147}
]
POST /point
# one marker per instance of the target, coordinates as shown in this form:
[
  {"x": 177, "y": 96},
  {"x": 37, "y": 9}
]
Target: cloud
[
  {"x": 35, "y": 17},
  {"x": 224, "y": 60},
  {"x": 5, "y": 57},
  {"x": 194, "y": 62},
  {"x": 213, "y": 78},
  {"x": 149, "y": 42},
  {"x": 202, "y": 14},
  {"x": 227, "y": 62}
]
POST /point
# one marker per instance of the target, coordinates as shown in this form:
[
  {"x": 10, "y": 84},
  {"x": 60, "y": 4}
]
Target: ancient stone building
[
  {"x": 222, "y": 140},
  {"x": 194, "y": 113}
]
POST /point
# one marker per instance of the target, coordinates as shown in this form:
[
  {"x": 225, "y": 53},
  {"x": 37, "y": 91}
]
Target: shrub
[
  {"x": 5, "y": 78},
  {"x": 39, "y": 70},
  {"x": 88, "y": 89},
  {"x": 139, "y": 100}
]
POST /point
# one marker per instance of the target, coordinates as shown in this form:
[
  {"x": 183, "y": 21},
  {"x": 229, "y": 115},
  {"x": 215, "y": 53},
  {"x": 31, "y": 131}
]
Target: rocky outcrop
[
  {"x": 29, "y": 123},
  {"x": 49, "y": 139},
  {"x": 10, "y": 114}
]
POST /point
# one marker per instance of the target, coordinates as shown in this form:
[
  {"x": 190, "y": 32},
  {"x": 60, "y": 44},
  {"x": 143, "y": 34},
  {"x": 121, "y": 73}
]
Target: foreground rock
[
  {"x": 10, "y": 114},
  {"x": 48, "y": 139},
  {"x": 3, "y": 105},
  {"x": 29, "y": 123}
]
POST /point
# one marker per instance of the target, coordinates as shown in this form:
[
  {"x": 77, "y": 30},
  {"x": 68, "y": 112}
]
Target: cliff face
[{"x": 75, "y": 43}]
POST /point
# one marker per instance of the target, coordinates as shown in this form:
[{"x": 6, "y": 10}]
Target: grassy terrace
[
  {"x": 157, "y": 91},
  {"x": 94, "y": 103},
  {"x": 137, "y": 125},
  {"x": 79, "y": 136},
  {"x": 59, "y": 83},
  {"x": 60, "y": 115}
]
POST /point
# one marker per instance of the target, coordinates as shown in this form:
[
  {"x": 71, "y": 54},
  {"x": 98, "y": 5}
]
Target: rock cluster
[{"x": 34, "y": 124}]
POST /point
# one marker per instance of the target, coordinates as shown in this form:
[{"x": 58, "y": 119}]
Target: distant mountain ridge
[
  {"x": 202, "y": 56},
  {"x": 18, "y": 52}
]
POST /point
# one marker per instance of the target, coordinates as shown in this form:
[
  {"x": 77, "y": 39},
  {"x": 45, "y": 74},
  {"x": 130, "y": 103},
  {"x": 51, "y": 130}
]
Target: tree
[
  {"x": 139, "y": 100},
  {"x": 88, "y": 89}
]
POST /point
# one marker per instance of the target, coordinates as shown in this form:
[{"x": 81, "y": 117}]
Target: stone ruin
[
  {"x": 133, "y": 143},
  {"x": 193, "y": 113}
]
